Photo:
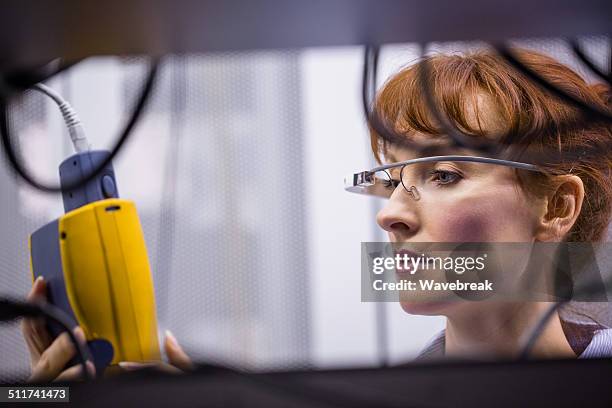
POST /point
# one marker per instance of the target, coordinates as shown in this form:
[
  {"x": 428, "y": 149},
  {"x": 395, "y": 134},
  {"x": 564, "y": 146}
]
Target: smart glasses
[{"x": 379, "y": 181}]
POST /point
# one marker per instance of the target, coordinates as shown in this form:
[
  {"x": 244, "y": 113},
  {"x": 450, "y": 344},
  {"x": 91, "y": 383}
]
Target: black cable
[
  {"x": 487, "y": 147},
  {"x": 592, "y": 112},
  {"x": 496, "y": 143},
  {"x": 368, "y": 93},
  {"x": 22, "y": 79},
  {"x": 12, "y": 309},
  {"x": 592, "y": 288},
  {"x": 577, "y": 49},
  {"x": 462, "y": 140},
  {"x": 538, "y": 330},
  {"x": 124, "y": 135},
  {"x": 459, "y": 138}
]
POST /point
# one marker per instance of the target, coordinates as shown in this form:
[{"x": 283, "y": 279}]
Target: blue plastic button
[{"x": 108, "y": 187}]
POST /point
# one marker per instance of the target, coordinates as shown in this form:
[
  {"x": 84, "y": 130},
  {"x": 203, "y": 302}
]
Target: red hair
[{"x": 523, "y": 108}]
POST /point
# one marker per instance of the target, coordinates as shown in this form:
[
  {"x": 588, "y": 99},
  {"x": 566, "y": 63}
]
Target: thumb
[
  {"x": 38, "y": 291},
  {"x": 176, "y": 356}
]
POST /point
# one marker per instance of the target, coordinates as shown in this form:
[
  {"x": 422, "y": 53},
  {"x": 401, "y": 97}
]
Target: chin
[{"x": 427, "y": 308}]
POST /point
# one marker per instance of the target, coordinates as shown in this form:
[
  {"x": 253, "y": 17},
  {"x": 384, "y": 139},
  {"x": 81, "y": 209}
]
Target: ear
[{"x": 562, "y": 209}]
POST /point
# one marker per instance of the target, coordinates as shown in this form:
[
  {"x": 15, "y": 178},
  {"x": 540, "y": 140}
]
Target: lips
[{"x": 406, "y": 265}]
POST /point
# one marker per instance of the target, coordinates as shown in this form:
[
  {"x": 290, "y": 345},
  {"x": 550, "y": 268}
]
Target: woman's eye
[{"x": 443, "y": 177}]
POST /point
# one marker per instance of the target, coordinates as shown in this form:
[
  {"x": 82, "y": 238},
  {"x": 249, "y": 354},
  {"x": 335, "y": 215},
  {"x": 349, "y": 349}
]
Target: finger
[
  {"x": 38, "y": 291},
  {"x": 54, "y": 359},
  {"x": 133, "y": 366},
  {"x": 36, "y": 334},
  {"x": 33, "y": 329},
  {"x": 163, "y": 367},
  {"x": 176, "y": 356},
  {"x": 33, "y": 344},
  {"x": 76, "y": 372}
]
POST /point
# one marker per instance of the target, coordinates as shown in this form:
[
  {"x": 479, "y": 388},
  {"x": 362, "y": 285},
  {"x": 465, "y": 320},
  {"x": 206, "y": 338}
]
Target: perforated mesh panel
[
  {"x": 16, "y": 225},
  {"x": 220, "y": 200},
  {"x": 216, "y": 168}
]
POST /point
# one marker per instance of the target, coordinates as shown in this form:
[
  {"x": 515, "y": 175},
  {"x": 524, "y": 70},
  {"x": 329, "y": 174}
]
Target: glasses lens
[
  {"x": 432, "y": 178},
  {"x": 408, "y": 185},
  {"x": 385, "y": 183}
]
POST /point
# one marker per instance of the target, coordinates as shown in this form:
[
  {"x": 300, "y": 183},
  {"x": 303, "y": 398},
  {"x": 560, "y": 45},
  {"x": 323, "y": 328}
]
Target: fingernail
[
  {"x": 127, "y": 365},
  {"x": 171, "y": 339},
  {"x": 80, "y": 334},
  {"x": 130, "y": 365},
  {"x": 91, "y": 368}
]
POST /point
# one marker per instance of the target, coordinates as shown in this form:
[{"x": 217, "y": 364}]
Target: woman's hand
[
  {"x": 178, "y": 359},
  {"x": 48, "y": 358}
]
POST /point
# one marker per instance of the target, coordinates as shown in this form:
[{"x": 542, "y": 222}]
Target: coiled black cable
[
  {"x": 590, "y": 111},
  {"x": 368, "y": 93},
  {"x": 577, "y": 49},
  {"x": 459, "y": 139},
  {"x": 13, "y": 309},
  {"x": 18, "y": 80},
  {"x": 20, "y": 169},
  {"x": 493, "y": 146}
]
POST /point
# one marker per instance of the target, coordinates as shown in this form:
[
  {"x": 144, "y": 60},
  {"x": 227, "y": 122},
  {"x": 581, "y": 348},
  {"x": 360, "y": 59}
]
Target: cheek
[
  {"x": 484, "y": 218},
  {"x": 465, "y": 224}
]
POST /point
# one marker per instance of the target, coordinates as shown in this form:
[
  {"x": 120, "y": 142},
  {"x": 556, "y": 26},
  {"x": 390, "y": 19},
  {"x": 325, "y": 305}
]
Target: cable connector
[{"x": 75, "y": 129}]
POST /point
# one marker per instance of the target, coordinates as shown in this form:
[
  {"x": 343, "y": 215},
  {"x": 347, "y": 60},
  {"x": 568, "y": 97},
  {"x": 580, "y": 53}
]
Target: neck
[{"x": 499, "y": 332}]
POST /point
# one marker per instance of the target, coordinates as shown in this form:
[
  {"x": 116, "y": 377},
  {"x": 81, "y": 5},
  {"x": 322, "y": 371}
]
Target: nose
[{"x": 398, "y": 216}]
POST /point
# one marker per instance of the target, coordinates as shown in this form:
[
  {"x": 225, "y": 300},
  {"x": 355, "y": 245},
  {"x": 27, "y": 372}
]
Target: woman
[
  {"x": 483, "y": 96},
  {"x": 467, "y": 202}
]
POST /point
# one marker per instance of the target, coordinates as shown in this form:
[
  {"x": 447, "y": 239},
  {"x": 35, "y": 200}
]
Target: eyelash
[
  {"x": 456, "y": 177},
  {"x": 393, "y": 183}
]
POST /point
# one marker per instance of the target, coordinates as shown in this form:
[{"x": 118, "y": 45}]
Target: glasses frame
[{"x": 364, "y": 182}]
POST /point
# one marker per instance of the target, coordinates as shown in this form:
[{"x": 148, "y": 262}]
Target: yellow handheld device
[{"x": 94, "y": 260}]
